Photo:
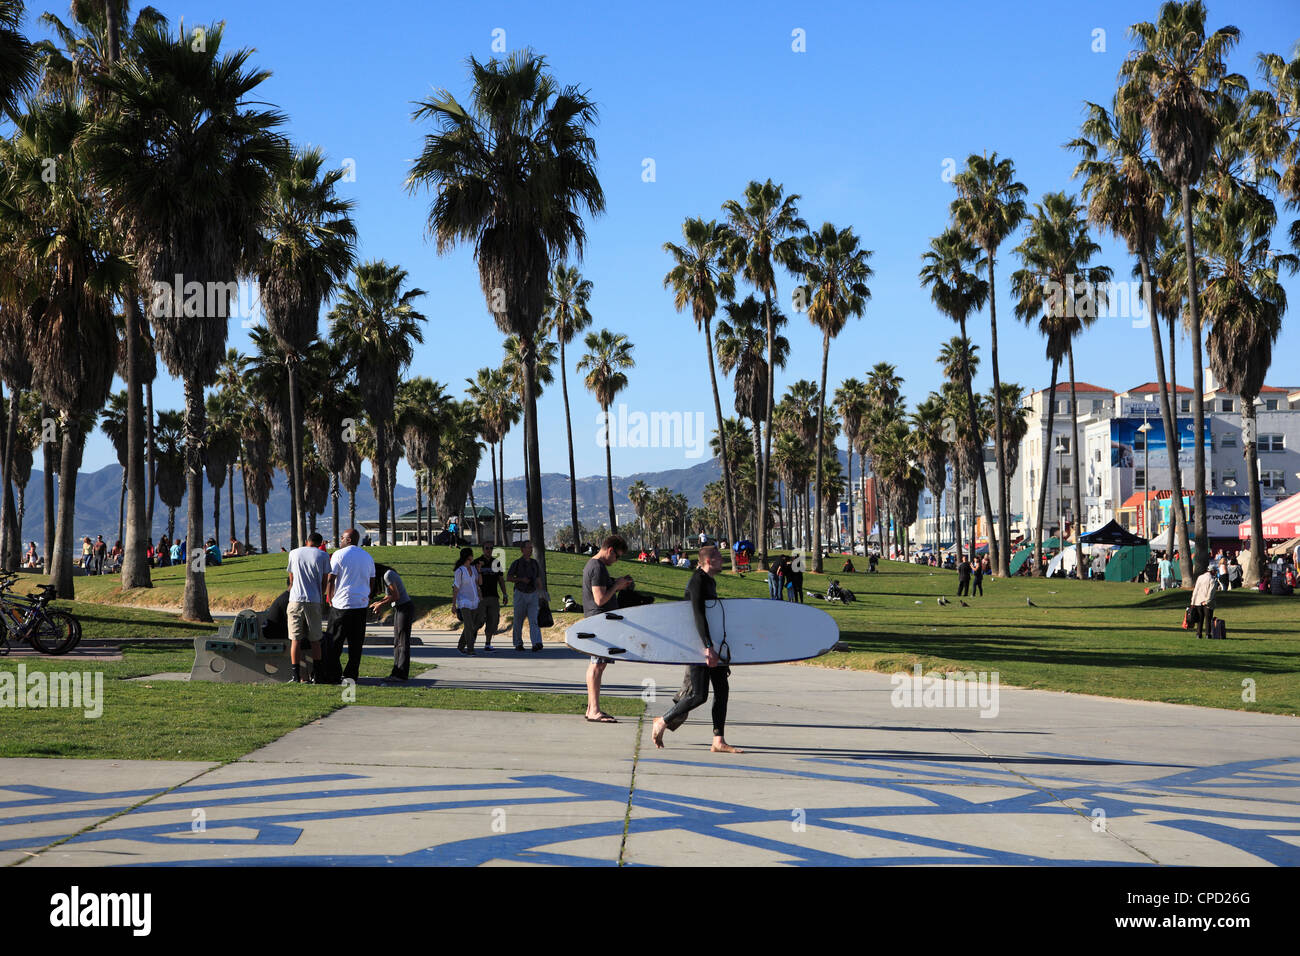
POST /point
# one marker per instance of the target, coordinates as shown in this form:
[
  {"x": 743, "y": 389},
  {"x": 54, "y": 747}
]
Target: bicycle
[{"x": 30, "y": 619}]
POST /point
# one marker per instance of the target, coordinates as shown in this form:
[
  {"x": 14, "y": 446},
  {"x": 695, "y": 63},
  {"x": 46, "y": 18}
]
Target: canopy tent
[
  {"x": 1066, "y": 561},
  {"x": 1278, "y": 522},
  {"x": 1112, "y": 534},
  {"x": 1283, "y": 549},
  {"x": 1127, "y": 563},
  {"x": 1167, "y": 541}
]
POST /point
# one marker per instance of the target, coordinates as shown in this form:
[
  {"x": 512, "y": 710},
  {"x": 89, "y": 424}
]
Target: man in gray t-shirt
[
  {"x": 403, "y": 614},
  {"x": 308, "y": 568},
  {"x": 599, "y": 594}
]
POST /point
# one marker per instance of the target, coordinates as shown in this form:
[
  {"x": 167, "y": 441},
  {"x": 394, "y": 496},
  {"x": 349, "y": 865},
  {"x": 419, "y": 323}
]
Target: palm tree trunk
[
  {"x": 298, "y": 528},
  {"x": 47, "y": 453},
  {"x": 496, "y": 503},
  {"x": 1078, "y": 483},
  {"x": 352, "y": 510},
  {"x": 419, "y": 511},
  {"x": 956, "y": 527},
  {"x": 261, "y": 523},
  {"x": 761, "y": 475},
  {"x": 1047, "y": 465},
  {"x": 334, "y": 499},
  {"x": 149, "y": 455},
  {"x": 852, "y": 530},
  {"x": 61, "y": 563},
  {"x": 1172, "y": 443},
  {"x": 135, "y": 544},
  {"x": 121, "y": 508},
  {"x": 568, "y": 431},
  {"x": 1250, "y": 574},
  {"x": 609, "y": 477},
  {"x": 722, "y": 442},
  {"x": 998, "y": 549},
  {"x": 10, "y": 533},
  {"x": 532, "y": 460},
  {"x": 171, "y": 524},
  {"x": 194, "y": 603},
  {"x": 243, "y": 473},
  {"x": 230, "y": 495},
  {"x": 501, "y": 456},
  {"x": 1198, "y": 392},
  {"x": 817, "y": 481},
  {"x": 755, "y": 440},
  {"x": 216, "y": 512},
  {"x": 381, "y": 476},
  {"x": 983, "y": 472}
]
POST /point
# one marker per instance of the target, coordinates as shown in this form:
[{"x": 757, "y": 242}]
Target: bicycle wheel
[{"x": 55, "y": 632}]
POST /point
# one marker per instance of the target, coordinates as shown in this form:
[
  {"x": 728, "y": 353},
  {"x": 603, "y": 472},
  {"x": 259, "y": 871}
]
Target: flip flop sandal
[{"x": 604, "y": 718}]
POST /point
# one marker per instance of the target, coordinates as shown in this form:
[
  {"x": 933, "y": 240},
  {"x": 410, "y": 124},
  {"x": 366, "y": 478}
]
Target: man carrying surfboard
[{"x": 695, "y": 684}]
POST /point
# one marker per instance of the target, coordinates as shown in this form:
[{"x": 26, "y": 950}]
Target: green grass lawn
[
  {"x": 1084, "y": 637},
  {"x": 178, "y": 720}
]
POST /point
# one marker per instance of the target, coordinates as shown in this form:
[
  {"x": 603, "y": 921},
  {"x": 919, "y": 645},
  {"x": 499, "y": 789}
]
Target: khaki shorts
[{"x": 304, "y": 621}]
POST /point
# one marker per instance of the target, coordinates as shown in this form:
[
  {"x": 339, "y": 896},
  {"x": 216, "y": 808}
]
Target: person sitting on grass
[{"x": 847, "y": 567}]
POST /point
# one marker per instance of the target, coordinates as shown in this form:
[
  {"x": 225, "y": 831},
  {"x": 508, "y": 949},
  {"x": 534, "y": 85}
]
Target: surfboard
[{"x": 756, "y": 631}]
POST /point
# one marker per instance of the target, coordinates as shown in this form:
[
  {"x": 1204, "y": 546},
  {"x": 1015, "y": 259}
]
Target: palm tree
[
  {"x": 698, "y": 278},
  {"x": 639, "y": 494},
  {"x": 513, "y": 364},
  {"x": 421, "y": 417},
  {"x": 490, "y": 393},
  {"x": 1172, "y": 81},
  {"x": 220, "y": 449},
  {"x": 513, "y": 173},
  {"x": 763, "y": 235},
  {"x": 742, "y": 348},
  {"x": 1059, "y": 289},
  {"x": 309, "y": 247},
  {"x": 112, "y": 422},
  {"x": 989, "y": 206},
  {"x": 850, "y": 399},
  {"x": 1122, "y": 186},
  {"x": 1245, "y": 302},
  {"x": 951, "y": 264},
  {"x": 959, "y": 359},
  {"x": 17, "y": 58},
  {"x": 170, "y": 434},
  {"x": 458, "y": 459},
  {"x": 376, "y": 325},
  {"x": 567, "y": 314},
  {"x": 608, "y": 356},
  {"x": 930, "y": 448},
  {"x": 331, "y": 411},
  {"x": 68, "y": 259},
  {"x": 836, "y": 271},
  {"x": 188, "y": 167}
]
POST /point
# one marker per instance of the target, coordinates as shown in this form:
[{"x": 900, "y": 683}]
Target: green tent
[
  {"x": 1019, "y": 558},
  {"x": 1127, "y": 563}
]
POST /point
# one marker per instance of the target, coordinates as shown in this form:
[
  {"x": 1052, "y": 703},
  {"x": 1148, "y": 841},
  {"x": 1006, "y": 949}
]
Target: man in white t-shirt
[
  {"x": 347, "y": 590},
  {"x": 309, "y": 566}
]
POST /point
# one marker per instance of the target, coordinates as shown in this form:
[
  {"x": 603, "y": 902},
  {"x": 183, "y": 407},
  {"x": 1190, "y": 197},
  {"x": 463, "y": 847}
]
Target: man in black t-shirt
[
  {"x": 600, "y": 593},
  {"x": 701, "y": 591},
  {"x": 493, "y": 582}
]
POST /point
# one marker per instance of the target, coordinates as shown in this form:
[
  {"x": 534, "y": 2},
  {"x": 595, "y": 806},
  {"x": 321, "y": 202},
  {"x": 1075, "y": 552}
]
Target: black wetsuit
[{"x": 695, "y": 683}]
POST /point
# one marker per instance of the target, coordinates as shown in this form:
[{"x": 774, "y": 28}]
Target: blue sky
[{"x": 860, "y": 125}]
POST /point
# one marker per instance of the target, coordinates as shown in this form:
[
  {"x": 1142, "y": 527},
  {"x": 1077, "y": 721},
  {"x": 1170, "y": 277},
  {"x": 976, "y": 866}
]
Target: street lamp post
[
  {"x": 1060, "y": 494},
  {"x": 1146, "y": 476}
]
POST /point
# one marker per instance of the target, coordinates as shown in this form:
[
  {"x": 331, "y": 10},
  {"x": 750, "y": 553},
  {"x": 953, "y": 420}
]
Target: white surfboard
[{"x": 756, "y": 631}]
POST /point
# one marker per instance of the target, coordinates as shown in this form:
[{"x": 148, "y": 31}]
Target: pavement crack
[
  {"x": 120, "y": 813},
  {"x": 631, "y": 789},
  {"x": 1059, "y": 800}
]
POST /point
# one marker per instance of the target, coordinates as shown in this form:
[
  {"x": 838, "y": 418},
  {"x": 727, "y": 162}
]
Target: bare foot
[
  {"x": 720, "y": 746},
  {"x": 657, "y": 734}
]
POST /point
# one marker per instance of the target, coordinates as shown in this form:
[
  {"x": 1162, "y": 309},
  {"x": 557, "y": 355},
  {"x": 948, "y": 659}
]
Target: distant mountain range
[{"x": 98, "y": 497}]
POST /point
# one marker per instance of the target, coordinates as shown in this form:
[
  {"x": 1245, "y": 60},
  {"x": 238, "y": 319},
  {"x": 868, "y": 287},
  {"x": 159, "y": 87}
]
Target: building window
[
  {"x": 1228, "y": 440},
  {"x": 1139, "y": 478},
  {"x": 1139, "y": 441},
  {"x": 1272, "y": 443},
  {"x": 1062, "y": 446},
  {"x": 1187, "y": 405},
  {"x": 1097, "y": 456},
  {"x": 1064, "y": 407},
  {"x": 1063, "y": 476},
  {"x": 1225, "y": 404},
  {"x": 1272, "y": 479},
  {"x": 1270, "y": 404}
]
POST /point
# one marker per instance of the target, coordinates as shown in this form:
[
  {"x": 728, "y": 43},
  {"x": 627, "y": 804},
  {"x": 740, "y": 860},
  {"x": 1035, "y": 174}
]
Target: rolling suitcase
[{"x": 1218, "y": 630}]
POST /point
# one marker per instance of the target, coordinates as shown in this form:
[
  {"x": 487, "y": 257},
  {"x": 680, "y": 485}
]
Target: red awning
[{"x": 1279, "y": 522}]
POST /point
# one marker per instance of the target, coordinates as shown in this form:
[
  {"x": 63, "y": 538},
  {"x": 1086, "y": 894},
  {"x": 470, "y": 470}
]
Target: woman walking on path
[{"x": 466, "y": 590}]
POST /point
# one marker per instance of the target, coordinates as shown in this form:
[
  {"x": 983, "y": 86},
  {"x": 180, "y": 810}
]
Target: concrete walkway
[{"x": 833, "y": 774}]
